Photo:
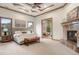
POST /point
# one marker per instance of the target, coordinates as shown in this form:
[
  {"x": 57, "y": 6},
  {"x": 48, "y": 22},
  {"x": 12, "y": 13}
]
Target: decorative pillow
[
  {"x": 16, "y": 35},
  {"x": 18, "y": 32}
]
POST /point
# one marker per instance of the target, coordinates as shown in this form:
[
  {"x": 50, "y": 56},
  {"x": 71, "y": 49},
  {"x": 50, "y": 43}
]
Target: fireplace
[{"x": 71, "y": 35}]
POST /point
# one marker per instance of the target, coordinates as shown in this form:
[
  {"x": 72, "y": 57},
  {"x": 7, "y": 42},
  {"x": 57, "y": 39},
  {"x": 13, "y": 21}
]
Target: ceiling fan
[{"x": 34, "y": 6}]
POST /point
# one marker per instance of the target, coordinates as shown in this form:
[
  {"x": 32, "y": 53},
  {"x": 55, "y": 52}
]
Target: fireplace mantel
[{"x": 67, "y": 23}]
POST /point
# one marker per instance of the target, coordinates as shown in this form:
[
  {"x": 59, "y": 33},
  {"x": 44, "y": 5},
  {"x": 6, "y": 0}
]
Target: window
[{"x": 30, "y": 27}]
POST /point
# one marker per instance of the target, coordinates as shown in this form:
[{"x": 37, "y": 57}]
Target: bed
[{"x": 24, "y": 38}]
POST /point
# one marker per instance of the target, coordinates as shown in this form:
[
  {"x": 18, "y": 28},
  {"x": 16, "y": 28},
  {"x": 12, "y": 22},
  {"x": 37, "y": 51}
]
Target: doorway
[{"x": 47, "y": 28}]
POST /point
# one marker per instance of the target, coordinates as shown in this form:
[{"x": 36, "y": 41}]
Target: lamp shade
[{"x": 5, "y": 29}]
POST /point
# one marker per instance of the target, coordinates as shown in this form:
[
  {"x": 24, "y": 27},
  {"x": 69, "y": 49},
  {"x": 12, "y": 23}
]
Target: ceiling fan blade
[{"x": 38, "y": 6}]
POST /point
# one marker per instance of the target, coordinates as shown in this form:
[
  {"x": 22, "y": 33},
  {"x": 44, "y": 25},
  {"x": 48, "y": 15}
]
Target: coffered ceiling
[{"x": 33, "y": 9}]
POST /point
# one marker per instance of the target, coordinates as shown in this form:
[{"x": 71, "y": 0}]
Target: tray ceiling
[{"x": 33, "y": 9}]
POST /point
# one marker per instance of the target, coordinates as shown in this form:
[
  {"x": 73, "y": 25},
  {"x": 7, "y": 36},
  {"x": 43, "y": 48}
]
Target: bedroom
[{"x": 25, "y": 27}]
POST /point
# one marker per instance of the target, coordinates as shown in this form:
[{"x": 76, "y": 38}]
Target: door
[{"x": 47, "y": 28}]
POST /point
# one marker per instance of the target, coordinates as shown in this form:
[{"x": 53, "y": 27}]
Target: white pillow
[
  {"x": 16, "y": 35},
  {"x": 18, "y": 32}
]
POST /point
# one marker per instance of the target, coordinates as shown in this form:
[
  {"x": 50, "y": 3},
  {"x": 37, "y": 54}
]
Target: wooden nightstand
[{"x": 6, "y": 39}]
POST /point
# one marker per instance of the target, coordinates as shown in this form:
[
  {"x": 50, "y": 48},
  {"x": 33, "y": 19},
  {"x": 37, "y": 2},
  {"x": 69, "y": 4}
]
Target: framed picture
[
  {"x": 73, "y": 14},
  {"x": 20, "y": 23}
]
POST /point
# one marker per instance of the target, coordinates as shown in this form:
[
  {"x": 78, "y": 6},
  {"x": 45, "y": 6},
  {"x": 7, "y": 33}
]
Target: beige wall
[{"x": 57, "y": 17}]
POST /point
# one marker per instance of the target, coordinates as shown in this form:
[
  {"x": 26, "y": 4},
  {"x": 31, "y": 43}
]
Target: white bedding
[{"x": 19, "y": 37}]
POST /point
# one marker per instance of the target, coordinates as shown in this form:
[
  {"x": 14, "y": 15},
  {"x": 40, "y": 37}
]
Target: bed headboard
[{"x": 23, "y": 30}]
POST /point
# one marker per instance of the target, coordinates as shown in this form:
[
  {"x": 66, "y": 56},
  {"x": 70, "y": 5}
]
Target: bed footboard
[{"x": 28, "y": 41}]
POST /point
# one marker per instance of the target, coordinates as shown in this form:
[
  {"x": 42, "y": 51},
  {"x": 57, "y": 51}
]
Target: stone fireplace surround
[{"x": 73, "y": 28}]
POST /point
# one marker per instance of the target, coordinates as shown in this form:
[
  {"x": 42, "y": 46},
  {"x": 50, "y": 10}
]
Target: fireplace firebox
[{"x": 71, "y": 35}]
